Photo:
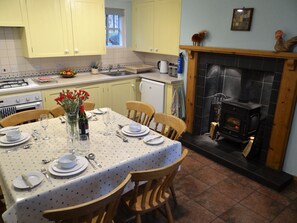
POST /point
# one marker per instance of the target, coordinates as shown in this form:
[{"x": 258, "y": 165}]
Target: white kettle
[{"x": 163, "y": 66}]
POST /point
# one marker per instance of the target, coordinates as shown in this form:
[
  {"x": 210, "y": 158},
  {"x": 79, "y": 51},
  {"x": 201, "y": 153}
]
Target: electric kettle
[{"x": 163, "y": 66}]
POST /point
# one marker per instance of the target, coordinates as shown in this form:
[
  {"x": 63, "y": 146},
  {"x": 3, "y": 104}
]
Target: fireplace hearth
[{"x": 259, "y": 85}]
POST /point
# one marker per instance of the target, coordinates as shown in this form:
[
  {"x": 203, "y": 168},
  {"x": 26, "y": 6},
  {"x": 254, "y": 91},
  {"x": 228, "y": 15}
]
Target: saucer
[
  {"x": 135, "y": 134},
  {"x": 35, "y": 178},
  {"x": 100, "y": 111},
  {"x": 126, "y": 129},
  {"x": 153, "y": 141}
]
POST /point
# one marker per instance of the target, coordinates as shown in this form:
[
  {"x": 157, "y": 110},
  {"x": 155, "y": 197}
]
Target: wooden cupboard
[
  {"x": 10, "y": 13},
  {"x": 63, "y": 28},
  {"x": 156, "y": 26}
]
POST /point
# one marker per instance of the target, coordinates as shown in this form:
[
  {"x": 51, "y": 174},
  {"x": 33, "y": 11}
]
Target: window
[{"x": 114, "y": 27}]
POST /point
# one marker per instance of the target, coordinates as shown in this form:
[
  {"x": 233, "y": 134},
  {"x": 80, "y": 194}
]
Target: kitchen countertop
[{"x": 88, "y": 78}]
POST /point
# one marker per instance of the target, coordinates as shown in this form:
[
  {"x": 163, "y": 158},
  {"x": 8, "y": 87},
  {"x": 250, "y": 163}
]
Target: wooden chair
[
  {"x": 23, "y": 117},
  {"x": 100, "y": 210},
  {"x": 140, "y": 112},
  {"x": 154, "y": 193},
  {"x": 172, "y": 126},
  {"x": 59, "y": 111}
]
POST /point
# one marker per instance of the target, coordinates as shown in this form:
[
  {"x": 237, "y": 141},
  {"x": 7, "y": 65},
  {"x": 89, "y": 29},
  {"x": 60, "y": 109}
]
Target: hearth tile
[
  {"x": 233, "y": 189},
  {"x": 257, "y": 63},
  {"x": 269, "y": 77},
  {"x": 208, "y": 175},
  {"x": 214, "y": 201},
  {"x": 191, "y": 186},
  {"x": 241, "y": 214},
  {"x": 263, "y": 205},
  {"x": 277, "y": 76},
  {"x": 269, "y": 64},
  {"x": 245, "y": 62},
  {"x": 279, "y": 64},
  {"x": 200, "y": 81},
  {"x": 193, "y": 212},
  {"x": 266, "y": 92},
  {"x": 230, "y": 61},
  {"x": 287, "y": 216}
]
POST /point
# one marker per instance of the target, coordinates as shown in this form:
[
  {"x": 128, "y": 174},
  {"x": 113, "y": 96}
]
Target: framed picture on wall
[{"x": 242, "y": 19}]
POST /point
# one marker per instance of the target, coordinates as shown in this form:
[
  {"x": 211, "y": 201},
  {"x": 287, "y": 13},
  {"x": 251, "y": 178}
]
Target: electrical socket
[{"x": 4, "y": 70}]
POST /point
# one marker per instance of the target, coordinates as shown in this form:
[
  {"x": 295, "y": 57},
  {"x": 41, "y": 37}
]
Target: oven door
[{"x": 28, "y": 106}]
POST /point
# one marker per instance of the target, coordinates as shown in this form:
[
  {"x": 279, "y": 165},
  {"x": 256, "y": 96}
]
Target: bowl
[
  {"x": 135, "y": 127},
  {"x": 13, "y": 135},
  {"x": 67, "y": 161},
  {"x": 67, "y": 73}
]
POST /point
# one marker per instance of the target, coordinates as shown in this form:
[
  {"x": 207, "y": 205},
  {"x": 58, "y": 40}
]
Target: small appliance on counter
[
  {"x": 172, "y": 70},
  {"x": 162, "y": 65}
]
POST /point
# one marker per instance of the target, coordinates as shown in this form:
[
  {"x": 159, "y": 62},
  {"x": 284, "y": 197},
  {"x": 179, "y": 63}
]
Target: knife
[
  {"x": 153, "y": 138},
  {"x": 27, "y": 181},
  {"x": 90, "y": 162}
]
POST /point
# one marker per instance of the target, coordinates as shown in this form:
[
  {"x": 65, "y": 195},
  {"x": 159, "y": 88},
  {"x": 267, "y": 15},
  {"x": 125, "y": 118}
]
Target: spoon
[
  {"x": 92, "y": 156},
  {"x": 44, "y": 171}
]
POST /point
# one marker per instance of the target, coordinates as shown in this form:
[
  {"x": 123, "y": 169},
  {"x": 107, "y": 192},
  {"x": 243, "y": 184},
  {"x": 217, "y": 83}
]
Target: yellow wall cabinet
[
  {"x": 10, "y": 13},
  {"x": 156, "y": 26},
  {"x": 63, "y": 28}
]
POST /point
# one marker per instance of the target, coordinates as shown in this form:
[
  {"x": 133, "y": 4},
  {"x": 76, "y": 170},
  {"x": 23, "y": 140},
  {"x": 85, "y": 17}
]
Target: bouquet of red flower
[{"x": 70, "y": 100}]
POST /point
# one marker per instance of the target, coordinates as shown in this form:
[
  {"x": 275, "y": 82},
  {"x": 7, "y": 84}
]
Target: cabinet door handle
[
  {"x": 156, "y": 49},
  {"x": 140, "y": 87},
  {"x": 133, "y": 87},
  {"x": 76, "y": 50},
  {"x": 151, "y": 49},
  {"x": 66, "y": 51}
]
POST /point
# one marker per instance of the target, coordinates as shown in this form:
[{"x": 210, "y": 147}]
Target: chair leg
[
  {"x": 168, "y": 212},
  {"x": 138, "y": 218},
  {"x": 173, "y": 194}
]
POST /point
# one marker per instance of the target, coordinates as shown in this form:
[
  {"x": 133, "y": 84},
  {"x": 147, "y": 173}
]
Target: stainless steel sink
[{"x": 117, "y": 73}]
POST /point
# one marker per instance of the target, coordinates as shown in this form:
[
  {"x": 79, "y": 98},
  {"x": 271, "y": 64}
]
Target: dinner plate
[
  {"x": 100, "y": 111},
  {"x": 6, "y": 129},
  {"x": 15, "y": 143},
  {"x": 81, "y": 169},
  {"x": 23, "y": 137},
  {"x": 136, "y": 134},
  {"x": 80, "y": 163},
  {"x": 35, "y": 178},
  {"x": 153, "y": 141},
  {"x": 126, "y": 129}
]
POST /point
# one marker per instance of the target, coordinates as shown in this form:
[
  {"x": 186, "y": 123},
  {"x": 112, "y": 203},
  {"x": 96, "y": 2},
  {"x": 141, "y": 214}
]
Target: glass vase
[{"x": 72, "y": 130}]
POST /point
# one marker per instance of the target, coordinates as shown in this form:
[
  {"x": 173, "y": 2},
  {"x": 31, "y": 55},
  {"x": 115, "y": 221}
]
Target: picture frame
[{"x": 242, "y": 19}]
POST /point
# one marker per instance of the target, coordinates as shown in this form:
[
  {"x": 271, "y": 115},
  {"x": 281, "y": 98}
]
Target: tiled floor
[{"x": 209, "y": 192}]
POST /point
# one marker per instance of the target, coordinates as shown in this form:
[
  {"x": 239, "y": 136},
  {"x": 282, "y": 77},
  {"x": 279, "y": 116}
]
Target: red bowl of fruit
[{"x": 67, "y": 73}]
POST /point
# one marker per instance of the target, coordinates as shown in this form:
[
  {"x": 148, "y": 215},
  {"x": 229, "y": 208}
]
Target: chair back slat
[
  {"x": 100, "y": 210},
  {"x": 59, "y": 110},
  {"x": 172, "y": 126},
  {"x": 142, "y": 112}
]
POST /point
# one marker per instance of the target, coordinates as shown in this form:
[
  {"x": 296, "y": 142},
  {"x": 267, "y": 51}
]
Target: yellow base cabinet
[
  {"x": 63, "y": 28},
  {"x": 118, "y": 92},
  {"x": 156, "y": 26},
  {"x": 10, "y": 13}
]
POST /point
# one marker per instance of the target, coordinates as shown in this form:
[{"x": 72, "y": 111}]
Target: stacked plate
[
  {"x": 6, "y": 143},
  {"x": 81, "y": 165},
  {"x": 144, "y": 130}
]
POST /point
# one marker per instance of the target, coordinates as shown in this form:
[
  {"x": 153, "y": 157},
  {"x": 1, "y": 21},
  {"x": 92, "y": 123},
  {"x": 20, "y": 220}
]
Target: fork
[{"x": 118, "y": 134}]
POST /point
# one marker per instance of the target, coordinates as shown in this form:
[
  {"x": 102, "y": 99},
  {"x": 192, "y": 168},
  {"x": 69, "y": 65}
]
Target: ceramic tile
[
  {"x": 287, "y": 216},
  {"x": 209, "y": 176}
]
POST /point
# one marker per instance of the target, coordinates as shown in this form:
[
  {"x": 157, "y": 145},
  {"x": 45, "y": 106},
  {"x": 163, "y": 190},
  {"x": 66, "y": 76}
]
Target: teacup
[
  {"x": 67, "y": 161},
  {"x": 13, "y": 135},
  {"x": 135, "y": 127}
]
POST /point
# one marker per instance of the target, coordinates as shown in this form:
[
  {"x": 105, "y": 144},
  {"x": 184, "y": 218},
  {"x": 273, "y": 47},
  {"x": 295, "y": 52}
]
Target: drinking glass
[
  {"x": 106, "y": 120},
  {"x": 84, "y": 145},
  {"x": 44, "y": 125}
]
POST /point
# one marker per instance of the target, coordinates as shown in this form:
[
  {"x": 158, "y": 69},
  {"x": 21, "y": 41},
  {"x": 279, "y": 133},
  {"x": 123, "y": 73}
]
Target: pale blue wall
[
  {"x": 215, "y": 16},
  {"x": 127, "y": 6}
]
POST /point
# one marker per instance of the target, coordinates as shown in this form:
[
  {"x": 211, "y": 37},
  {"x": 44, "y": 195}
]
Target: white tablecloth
[{"x": 116, "y": 157}]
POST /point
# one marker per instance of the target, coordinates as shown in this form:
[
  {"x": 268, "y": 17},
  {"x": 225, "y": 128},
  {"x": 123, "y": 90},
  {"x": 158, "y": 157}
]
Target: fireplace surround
[{"x": 279, "y": 68}]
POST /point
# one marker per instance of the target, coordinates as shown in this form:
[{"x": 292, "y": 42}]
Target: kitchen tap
[{"x": 109, "y": 68}]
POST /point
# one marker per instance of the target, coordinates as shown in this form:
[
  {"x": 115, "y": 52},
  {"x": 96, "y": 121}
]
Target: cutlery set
[{"x": 91, "y": 157}]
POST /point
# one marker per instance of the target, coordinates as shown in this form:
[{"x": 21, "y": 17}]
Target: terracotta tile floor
[{"x": 209, "y": 192}]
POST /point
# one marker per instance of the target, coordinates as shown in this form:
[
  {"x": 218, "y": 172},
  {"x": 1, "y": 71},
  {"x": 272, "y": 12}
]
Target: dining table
[{"x": 115, "y": 157}]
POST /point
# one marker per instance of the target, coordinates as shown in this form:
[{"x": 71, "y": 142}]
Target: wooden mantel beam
[{"x": 285, "y": 103}]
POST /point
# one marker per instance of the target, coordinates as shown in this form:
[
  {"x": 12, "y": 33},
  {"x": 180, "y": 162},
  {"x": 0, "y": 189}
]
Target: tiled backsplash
[{"x": 13, "y": 64}]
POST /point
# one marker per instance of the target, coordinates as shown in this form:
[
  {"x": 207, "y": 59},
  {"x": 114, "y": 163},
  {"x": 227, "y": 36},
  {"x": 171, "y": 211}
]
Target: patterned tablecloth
[{"x": 116, "y": 157}]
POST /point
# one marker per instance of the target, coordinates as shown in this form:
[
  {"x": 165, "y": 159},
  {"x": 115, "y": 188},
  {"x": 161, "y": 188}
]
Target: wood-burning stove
[{"x": 239, "y": 121}]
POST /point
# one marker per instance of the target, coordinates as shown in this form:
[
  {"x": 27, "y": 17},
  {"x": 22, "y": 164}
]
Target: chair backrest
[
  {"x": 101, "y": 210},
  {"x": 23, "y": 117},
  {"x": 157, "y": 181},
  {"x": 59, "y": 111},
  {"x": 172, "y": 126},
  {"x": 140, "y": 112}
]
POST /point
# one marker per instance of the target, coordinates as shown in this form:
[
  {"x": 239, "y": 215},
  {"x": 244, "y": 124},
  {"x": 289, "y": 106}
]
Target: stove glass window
[{"x": 232, "y": 123}]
